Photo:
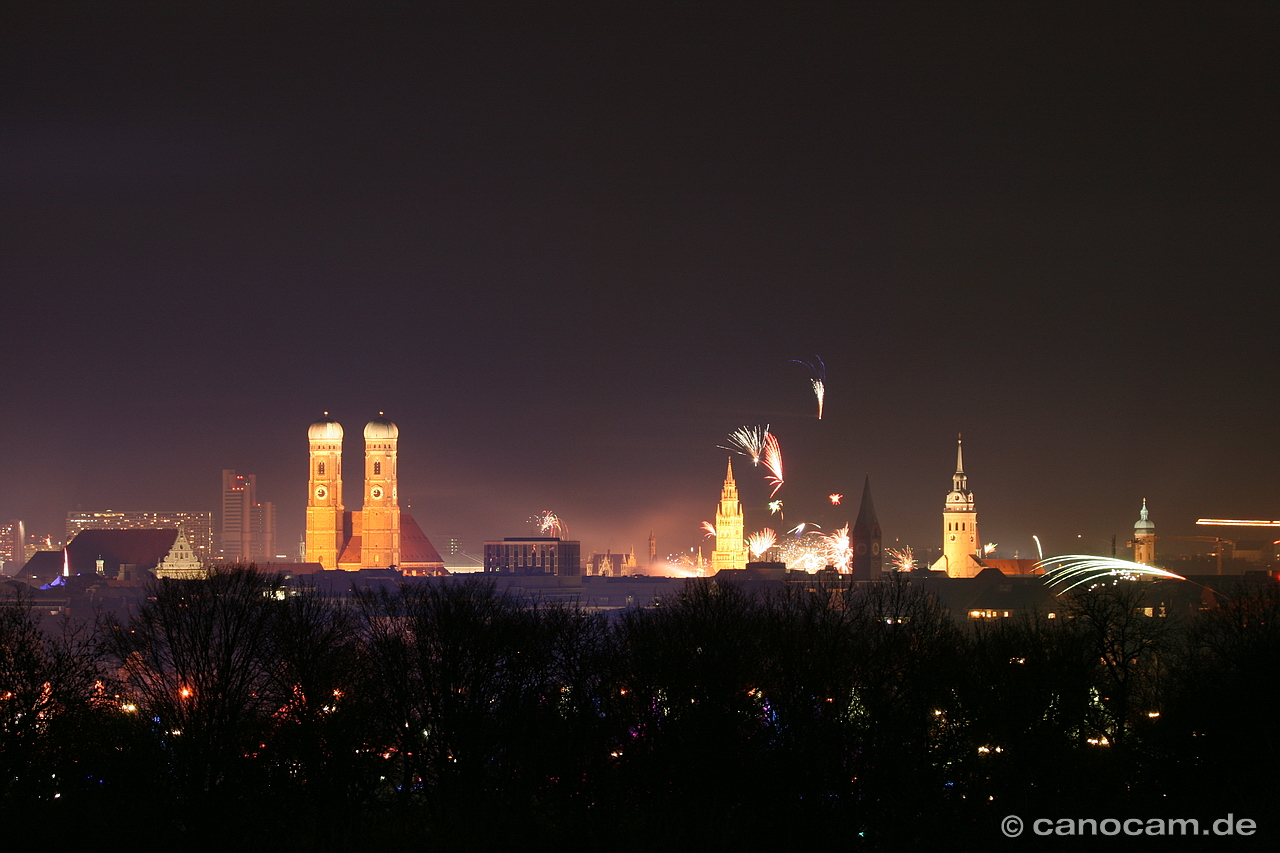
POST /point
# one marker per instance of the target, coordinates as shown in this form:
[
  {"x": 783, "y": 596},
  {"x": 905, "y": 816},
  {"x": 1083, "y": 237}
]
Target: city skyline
[{"x": 569, "y": 254}]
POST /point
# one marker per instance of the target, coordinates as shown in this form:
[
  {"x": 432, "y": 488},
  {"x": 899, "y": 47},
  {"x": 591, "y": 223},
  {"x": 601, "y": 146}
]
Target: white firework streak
[
  {"x": 1076, "y": 569},
  {"x": 772, "y": 457},
  {"x": 748, "y": 441},
  {"x": 819, "y": 379},
  {"x": 758, "y": 543}
]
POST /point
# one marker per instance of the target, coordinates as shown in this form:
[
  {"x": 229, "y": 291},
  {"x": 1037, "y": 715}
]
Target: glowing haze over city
[{"x": 572, "y": 254}]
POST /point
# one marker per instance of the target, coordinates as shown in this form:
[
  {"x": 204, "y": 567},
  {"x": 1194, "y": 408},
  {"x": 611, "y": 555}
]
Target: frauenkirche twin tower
[{"x": 371, "y": 538}]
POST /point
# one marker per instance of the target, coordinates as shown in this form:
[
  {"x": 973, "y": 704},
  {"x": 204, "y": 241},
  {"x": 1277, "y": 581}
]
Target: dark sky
[{"x": 569, "y": 249}]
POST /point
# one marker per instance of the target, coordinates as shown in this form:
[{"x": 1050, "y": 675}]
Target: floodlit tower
[
  {"x": 960, "y": 541},
  {"x": 380, "y": 518},
  {"x": 1144, "y": 538},
  {"x": 324, "y": 495},
  {"x": 731, "y": 549}
]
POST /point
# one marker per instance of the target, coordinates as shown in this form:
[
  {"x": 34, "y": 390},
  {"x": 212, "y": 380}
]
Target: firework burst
[
  {"x": 709, "y": 529},
  {"x": 839, "y": 551},
  {"x": 1074, "y": 570},
  {"x": 903, "y": 559},
  {"x": 772, "y": 458},
  {"x": 758, "y": 543},
  {"x": 749, "y": 441},
  {"x": 835, "y": 498},
  {"x": 804, "y": 552},
  {"x": 549, "y": 524},
  {"x": 818, "y": 371}
]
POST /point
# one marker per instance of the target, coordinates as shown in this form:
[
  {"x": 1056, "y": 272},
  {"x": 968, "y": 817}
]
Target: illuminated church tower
[
  {"x": 731, "y": 549},
  {"x": 380, "y": 518},
  {"x": 1144, "y": 538},
  {"x": 324, "y": 495},
  {"x": 959, "y": 527}
]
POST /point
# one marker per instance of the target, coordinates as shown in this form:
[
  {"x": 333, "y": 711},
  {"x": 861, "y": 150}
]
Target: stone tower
[
  {"x": 324, "y": 495},
  {"x": 1144, "y": 538},
  {"x": 731, "y": 549},
  {"x": 380, "y": 518},
  {"x": 960, "y": 541},
  {"x": 868, "y": 561}
]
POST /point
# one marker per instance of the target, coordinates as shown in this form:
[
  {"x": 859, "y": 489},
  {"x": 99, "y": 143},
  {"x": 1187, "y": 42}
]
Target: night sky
[{"x": 569, "y": 249}]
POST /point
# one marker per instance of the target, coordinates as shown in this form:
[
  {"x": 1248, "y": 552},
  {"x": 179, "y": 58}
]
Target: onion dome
[
  {"x": 325, "y": 429},
  {"x": 1143, "y": 523},
  {"x": 380, "y": 428}
]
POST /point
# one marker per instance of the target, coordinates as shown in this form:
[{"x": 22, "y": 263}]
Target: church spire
[
  {"x": 731, "y": 551},
  {"x": 960, "y": 483},
  {"x": 866, "y": 536},
  {"x": 730, "y": 490}
]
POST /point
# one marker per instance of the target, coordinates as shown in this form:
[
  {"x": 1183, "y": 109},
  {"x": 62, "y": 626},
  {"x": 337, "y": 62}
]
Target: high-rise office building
[
  {"x": 247, "y": 526},
  {"x": 197, "y": 525},
  {"x": 13, "y": 542}
]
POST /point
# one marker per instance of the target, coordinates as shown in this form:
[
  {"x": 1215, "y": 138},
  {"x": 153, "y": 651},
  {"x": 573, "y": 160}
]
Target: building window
[
  {"x": 320, "y": 470},
  {"x": 377, "y": 469}
]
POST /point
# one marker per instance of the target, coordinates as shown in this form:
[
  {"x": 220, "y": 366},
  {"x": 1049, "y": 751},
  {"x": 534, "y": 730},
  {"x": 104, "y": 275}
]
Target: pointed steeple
[
  {"x": 865, "y": 538},
  {"x": 960, "y": 483},
  {"x": 730, "y": 490}
]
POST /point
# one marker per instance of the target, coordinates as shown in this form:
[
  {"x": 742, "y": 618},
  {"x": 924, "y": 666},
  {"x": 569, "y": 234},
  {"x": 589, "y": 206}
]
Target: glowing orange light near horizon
[{"x": 1238, "y": 522}]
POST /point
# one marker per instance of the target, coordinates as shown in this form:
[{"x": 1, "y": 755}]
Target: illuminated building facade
[
  {"x": 1144, "y": 538},
  {"x": 381, "y": 517},
  {"x": 181, "y": 563},
  {"x": 534, "y": 555},
  {"x": 13, "y": 546},
  {"x": 247, "y": 528},
  {"x": 960, "y": 542},
  {"x": 198, "y": 526},
  {"x": 731, "y": 548},
  {"x": 379, "y": 536}
]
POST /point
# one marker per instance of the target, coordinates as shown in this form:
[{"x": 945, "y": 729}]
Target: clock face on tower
[
  {"x": 375, "y": 492},
  {"x": 953, "y": 537},
  {"x": 321, "y": 493}
]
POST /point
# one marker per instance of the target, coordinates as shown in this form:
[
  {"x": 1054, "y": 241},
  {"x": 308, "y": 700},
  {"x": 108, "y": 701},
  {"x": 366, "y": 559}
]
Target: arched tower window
[
  {"x": 320, "y": 470},
  {"x": 377, "y": 468}
]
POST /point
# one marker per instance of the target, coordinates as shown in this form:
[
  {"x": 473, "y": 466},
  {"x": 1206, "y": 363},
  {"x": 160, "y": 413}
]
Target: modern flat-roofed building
[{"x": 534, "y": 555}]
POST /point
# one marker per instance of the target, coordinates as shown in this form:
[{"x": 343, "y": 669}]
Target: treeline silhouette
[{"x": 447, "y": 714}]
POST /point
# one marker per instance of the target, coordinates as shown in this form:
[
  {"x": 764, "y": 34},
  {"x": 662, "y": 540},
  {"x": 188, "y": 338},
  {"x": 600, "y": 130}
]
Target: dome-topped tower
[
  {"x": 325, "y": 429},
  {"x": 324, "y": 492},
  {"x": 380, "y": 428},
  {"x": 381, "y": 515},
  {"x": 1144, "y": 538}
]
